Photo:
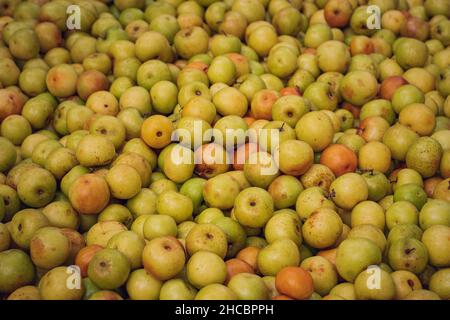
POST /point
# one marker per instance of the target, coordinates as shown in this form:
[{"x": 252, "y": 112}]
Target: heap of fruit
[{"x": 91, "y": 97}]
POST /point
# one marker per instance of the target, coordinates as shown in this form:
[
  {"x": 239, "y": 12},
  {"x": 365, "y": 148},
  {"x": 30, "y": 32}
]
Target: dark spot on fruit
[
  {"x": 252, "y": 203},
  {"x": 105, "y": 106},
  {"x": 198, "y": 93},
  {"x": 332, "y": 193},
  {"x": 209, "y": 236},
  {"x": 330, "y": 95},
  {"x": 40, "y": 192},
  {"x": 408, "y": 251},
  {"x": 19, "y": 227},
  {"x": 290, "y": 114},
  {"x": 103, "y": 131},
  {"x": 410, "y": 283},
  {"x": 103, "y": 264},
  {"x": 167, "y": 247},
  {"x": 159, "y": 133}
]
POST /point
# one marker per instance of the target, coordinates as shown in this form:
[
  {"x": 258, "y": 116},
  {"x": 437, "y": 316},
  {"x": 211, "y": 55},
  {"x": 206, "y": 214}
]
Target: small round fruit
[
  {"x": 437, "y": 241},
  {"x": 17, "y": 270},
  {"x": 205, "y": 268},
  {"x": 156, "y": 131},
  {"x": 295, "y": 282},
  {"x": 53, "y": 286},
  {"x": 164, "y": 257},
  {"x": 322, "y": 228},
  {"x": 355, "y": 255},
  {"x": 440, "y": 283},
  {"x": 89, "y": 194},
  {"x": 49, "y": 248},
  {"x": 37, "y": 188},
  {"x": 248, "y": 286},
  {"x": 384, "y": 291},
  {"x": 109, "y": 269},
  {"x": 142, "y": 285},
  {"x": 348, "y": 190}
]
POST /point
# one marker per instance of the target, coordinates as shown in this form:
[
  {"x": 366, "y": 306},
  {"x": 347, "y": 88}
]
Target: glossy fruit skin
[
  {"x": 434, "y": 212},
  {"x": 322, "y": 228},
  {"x": 236, "y": 266},
  {"x": 200, "y": 273},
  {"x": 85, "y": 256},
  {"x": 60, "y": 88},
  {"x": 389, "y": 85},
  {"x": 131, "y": 245},
  {"x": 25, "y": 293},
  {"x": 408, "y": 254},
  {"x": 316, "y": 129},
  {"x": 295, "y": 282},
  {"x": 39, "y": 191},
  {"x": 153, "y": 261},
  {"x": 412, "y": 193},
  {"x": 49, "y": 248},
  {"x": 9, "y": 155},
  {"x": 141, "y": 285},
  {"x": 89, "y": 194},
  {"x": 206, "y": 237},
  {"x": 323, "y": 273},
  {"x": 249, "y": 286},
  {"x": 350, "y": 265},
  {"x": 354, "y": 79},
  {"x": 411, "y": 53},
  {"x": 18, "y": 270},
  {"x": 253, "y": 207},
  {"x": 53, "y": 286},
  {"x": 277, "y": 255},
  {"x": 236, "y": 235},
  {"x": 339, "y": 190},
  {"x": 95, "y": 150},
  {"x": 339, "y": 158},
  {"x": 249, "y": 255},
  {"x": 405, "y": 282},
  {"x": 124, "y": 181},
  {"x": 438, "y": 283},
  {"x": 364, "y": 292},
  {"x": 434, "y": 240},
  {"x": 109, "y": 269},
  {"x": 338, "y": 13},
  {"x": 302, "y": 153}
]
